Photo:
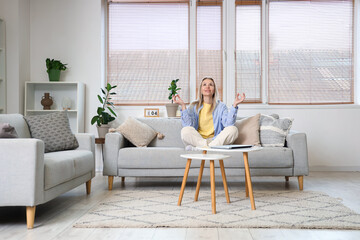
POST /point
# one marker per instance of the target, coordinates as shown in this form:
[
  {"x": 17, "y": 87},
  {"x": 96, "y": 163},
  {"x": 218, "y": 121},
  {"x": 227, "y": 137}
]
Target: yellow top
[{"x": 206, "y": 123}]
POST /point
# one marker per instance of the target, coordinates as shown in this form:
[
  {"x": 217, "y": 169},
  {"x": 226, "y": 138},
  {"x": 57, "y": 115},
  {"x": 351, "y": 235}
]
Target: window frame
[
  {"x": 228, "y": 39},
  {"x": 108, "y": 2}
]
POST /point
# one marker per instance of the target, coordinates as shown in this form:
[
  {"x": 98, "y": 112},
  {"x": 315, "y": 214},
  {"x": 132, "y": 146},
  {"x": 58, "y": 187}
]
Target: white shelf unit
[
  {"x": 2, "y": 68},
  {"x": 34, "y": 91}
]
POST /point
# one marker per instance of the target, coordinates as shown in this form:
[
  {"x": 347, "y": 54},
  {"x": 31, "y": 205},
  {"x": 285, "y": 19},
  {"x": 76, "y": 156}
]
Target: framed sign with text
[{"x": 151, "y": 112}]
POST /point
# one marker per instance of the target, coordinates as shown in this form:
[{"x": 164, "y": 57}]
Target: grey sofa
[
  {"x": 29, "y": 177},
  {"x": 162, "y": 157}
]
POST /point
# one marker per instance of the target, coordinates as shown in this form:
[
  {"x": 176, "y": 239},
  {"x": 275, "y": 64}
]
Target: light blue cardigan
[{"x": 221, "y": 116}]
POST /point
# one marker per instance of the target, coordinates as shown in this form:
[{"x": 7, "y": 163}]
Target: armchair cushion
[
  {"x": 66, "y": 165},
  {"x": 54, "y": 130}
]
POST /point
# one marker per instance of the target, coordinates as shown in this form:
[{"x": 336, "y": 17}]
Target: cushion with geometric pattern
[
  {"x": 54, "y": 130},
  {"x": 273, "y": 130}
]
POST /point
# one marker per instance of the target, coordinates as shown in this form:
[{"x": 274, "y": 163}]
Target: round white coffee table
[
  {"x": 248, "y": 183},
  {"x": 203, "y": 158}
]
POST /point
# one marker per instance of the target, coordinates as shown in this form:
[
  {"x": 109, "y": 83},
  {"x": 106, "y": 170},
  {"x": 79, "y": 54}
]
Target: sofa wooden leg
[
  {"x": 301, "y": 182},
  {"x": 30, "y": 216},
  {"x": 110, "y": 182},
  {"x": 123, "y": 179},
  {"x": 88, "y": 187},
  {"x": 286, "y": 178}
]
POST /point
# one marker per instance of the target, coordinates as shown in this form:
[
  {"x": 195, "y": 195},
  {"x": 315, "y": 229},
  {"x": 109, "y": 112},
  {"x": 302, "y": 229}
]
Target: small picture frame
[{"x": 151, "y": 112}]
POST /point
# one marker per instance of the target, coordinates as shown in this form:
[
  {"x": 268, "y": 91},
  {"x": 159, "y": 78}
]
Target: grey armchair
[{"x": 29, "y": 177}]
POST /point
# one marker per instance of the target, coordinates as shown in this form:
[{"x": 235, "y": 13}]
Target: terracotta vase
[{"x": 46, "y": 101}]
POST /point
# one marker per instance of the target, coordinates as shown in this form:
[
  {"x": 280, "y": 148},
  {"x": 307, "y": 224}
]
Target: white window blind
[
  {"x": 310, "y": 52},
  {"x": 248, "y": 49},
  {"x": 147, "y": 48},
  {"x": 209, "y": 43}
]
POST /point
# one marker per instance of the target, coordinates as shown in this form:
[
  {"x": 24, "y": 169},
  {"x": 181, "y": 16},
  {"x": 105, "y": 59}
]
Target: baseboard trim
[{"x": 334, "y": 168}]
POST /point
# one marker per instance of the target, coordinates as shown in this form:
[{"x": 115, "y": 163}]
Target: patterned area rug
[{"x": 274, "y": 209}]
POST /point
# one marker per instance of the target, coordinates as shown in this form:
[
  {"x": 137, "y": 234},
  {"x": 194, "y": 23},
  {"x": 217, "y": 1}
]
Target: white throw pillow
[
  {"x": 248, "y": 130},
  {"x": 138, "y": 133}
]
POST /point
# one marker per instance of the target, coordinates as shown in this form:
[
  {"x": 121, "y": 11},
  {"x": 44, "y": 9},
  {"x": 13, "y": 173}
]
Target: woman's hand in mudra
[
  {"x": 239, "y": 99},
  {"x": 177, "y": 99}
]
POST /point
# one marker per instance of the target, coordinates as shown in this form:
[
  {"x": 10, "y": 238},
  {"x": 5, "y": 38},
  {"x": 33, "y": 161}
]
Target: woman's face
[{"x": 207, "y": 88}]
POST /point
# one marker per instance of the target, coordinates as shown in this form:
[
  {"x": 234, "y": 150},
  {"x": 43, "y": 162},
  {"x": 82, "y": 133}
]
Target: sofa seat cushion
[
  {"x": 64, "y": 166},
  {"x": 153, "y": 157},
  {"x": 160, "y": 157},
  {"x": 268, "y": 157}
]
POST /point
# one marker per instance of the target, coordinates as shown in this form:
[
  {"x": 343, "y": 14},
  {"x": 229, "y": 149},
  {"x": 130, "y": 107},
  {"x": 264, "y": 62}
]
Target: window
[
  {"x": 147, "y": 48},
  {"x": 248, "y": 50},
  {"x": 304, "y": 48},
  {"x": 310, "y": 54},
  {"x": 209, "y": 42}
]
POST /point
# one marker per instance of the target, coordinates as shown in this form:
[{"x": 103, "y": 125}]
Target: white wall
[
  {"x": 71, "y": 31},
  {"x": 16, "y": 16}
]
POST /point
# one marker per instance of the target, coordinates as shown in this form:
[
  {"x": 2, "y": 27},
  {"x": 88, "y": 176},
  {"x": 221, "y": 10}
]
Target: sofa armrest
[
  {"x": 86, "y": 141},
  {"x": 21, "y": 172},
  {"x": 297, "y": 142},
  {"x": 113, "y": 143}
]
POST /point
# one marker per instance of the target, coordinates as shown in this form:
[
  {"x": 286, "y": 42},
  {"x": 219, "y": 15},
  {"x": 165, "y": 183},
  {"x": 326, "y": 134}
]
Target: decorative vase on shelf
[
  {"x": 46, "y": 101},
  {"x": 66, "y": 103}
]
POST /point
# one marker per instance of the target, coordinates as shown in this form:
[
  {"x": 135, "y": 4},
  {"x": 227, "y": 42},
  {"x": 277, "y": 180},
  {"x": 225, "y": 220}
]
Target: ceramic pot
[
  {"x": 46, "y": 101},
  {"x": 103, "y": 130},
  {"x": 171, "y": 109},
  {"x": 54, "y": 75}
]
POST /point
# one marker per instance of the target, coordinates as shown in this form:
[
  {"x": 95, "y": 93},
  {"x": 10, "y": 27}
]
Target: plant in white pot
[
  {"x": 103, "y": 118},
  {"x": 171, "y": 108}
]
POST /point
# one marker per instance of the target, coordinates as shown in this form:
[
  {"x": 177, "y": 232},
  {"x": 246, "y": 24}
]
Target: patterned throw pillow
[
  {"x": 54, "y": 130},
  {"x": 273, "y": 131},
  {"x": 138, "y": 133},
  {"x": 248, "y": 130},
  {"x": 7, "y": 131}
]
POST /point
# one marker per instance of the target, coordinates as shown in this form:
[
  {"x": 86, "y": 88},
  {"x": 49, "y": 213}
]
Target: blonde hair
[{"x": 200, "y": 99}]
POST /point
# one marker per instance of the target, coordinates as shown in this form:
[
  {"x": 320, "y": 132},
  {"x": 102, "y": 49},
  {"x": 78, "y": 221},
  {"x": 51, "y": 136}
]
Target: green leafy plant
[
  {"x": 55, "y": 64},
  {"x": 102, "y": 116},
  {"x": 173, "y": 89}
]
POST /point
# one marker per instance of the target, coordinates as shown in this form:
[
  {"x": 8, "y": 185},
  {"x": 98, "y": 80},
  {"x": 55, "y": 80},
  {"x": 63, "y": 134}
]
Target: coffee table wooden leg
[
  {"x": 221, "y": 162},
  {"x": 248, "y": 180},
  {"x": 246, "y": 187},
  {"x": 199, "y": 180},
  {"x": 184, "y": 181},
  {"x": 212, "y": 183}
]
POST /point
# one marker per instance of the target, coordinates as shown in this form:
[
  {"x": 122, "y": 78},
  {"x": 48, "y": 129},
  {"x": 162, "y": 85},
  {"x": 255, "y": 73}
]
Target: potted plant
[
  {"x": 53, "y": 69},
  {"x": 103, "y": 117},
  {"x": 171, "y": 108}
]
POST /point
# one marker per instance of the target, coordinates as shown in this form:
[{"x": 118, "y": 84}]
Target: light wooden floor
[{"x": 54, "y": 219}]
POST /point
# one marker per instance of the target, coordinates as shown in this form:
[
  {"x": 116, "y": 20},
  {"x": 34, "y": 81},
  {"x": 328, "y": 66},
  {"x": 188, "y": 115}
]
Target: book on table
[{"x": 232, "y": 146}]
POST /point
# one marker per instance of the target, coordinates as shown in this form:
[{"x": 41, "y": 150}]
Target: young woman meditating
[{"x": 207, "y": 121}]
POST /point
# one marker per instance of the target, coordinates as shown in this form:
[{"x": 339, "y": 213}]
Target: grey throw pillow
[
  {"x": 54, "y": 130},
  {"x": 273, "y": 131},
  {"x": 7, "y": 131}
]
